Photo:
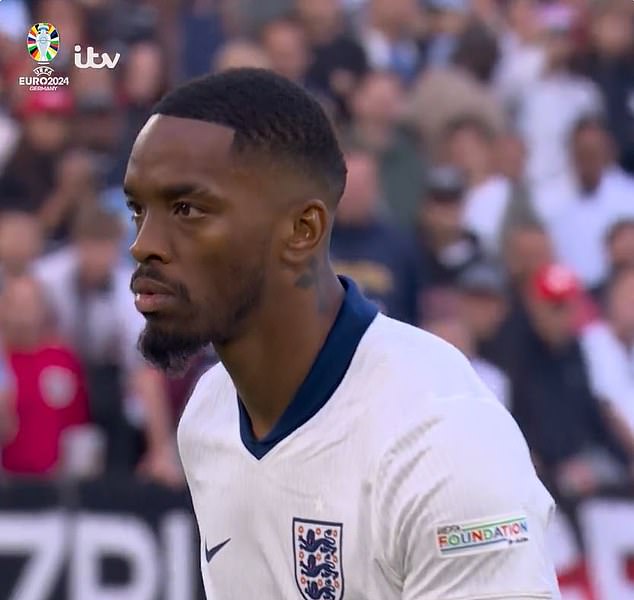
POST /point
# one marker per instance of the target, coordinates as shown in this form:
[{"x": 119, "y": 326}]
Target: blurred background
[{"x": 490, "y": 200}]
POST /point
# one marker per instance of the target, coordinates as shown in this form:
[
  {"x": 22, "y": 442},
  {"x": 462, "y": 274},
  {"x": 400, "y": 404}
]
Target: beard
[{"x": 171, "y": 349}]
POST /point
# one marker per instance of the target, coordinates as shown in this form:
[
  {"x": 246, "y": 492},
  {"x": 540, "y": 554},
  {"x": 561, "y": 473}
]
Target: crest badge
[{"x": 318, "y": 567}]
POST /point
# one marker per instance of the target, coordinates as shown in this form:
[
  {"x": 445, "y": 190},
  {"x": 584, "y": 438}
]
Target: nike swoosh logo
[{"x": 210, "y": 553}]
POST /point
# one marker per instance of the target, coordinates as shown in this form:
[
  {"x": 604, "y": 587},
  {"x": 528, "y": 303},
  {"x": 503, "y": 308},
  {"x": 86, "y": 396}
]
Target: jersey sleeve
[{"x": 460, "y": 513}]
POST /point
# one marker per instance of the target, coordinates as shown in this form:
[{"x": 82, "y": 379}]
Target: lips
[{"x": 151, "y": 296}]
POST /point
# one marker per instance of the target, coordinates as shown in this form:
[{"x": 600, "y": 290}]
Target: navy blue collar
[{"x": 330, "y": 366}]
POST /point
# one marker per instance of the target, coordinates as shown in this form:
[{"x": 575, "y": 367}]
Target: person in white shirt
[
  {"x": 333, "y": 452},
  {"x": 470, "y": 146},
  {"x": 603, "y": 196},
  {"x": 608, "y": 348},
  {"x": 549, "y": 108}
]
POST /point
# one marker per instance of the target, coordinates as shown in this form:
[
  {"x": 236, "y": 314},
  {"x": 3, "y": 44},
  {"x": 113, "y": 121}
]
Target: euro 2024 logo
[{"x": 43, "y": 43}]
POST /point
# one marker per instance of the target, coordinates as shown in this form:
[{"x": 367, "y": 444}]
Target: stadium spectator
[
  {"x": 20, "y": 243},
  {"x": 609, "y": 349},
  {"x": 365, "y": 246},
  {"x": 376, "y": 107},
  {"x": 45, "y": 133},
  {"x": 286, "y": 46},
  {"x": 526, "y": 247},
  {"x": 446, "y": 247},
  {"x": 603, "y": 195},
  {"x": 388, "y": 36},
  {"x": 510, "y": 162},
  {"x": 483, "y": 304},
  {"x": 338, "y": 60},
  {"x": 550, "y": 107},
  {"x": 439, "y": 97},
  {"x": 89, "y": 291},
  {"x": 609, "y": 62},
  {"x": 446, "y": 21},
  {"x": 523, "y": 55},
  {"x": 50, "y": 392},
  {"x": 470, "y": 146},
  {"x": 573, "y": 444}
]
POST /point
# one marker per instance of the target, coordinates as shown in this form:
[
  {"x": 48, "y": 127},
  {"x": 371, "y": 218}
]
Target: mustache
[{"x": 154, "y": 274}]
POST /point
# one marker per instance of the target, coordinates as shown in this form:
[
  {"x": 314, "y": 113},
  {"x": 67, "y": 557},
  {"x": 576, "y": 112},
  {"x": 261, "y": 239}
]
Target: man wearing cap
[
  {"x": 447, "y": 248},
  {"x": 483, "y": 304},
  {"x": 573, "y": 445}
]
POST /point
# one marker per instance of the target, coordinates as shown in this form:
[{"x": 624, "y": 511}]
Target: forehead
[{"x": 171, "y": 149}]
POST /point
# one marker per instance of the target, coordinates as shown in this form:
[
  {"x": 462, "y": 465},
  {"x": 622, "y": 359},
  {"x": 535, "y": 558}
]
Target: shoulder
[{"x": 417, "y": 362}]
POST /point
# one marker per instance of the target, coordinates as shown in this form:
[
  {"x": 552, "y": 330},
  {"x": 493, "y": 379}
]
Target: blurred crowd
[{"x": 490, "y": 200}]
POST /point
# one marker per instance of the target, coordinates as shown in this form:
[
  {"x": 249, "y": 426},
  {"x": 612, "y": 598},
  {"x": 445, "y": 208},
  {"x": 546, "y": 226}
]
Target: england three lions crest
[{"x": 318, "y": 568}]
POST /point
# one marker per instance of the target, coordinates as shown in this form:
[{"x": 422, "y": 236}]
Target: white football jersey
[{"x": 393, "y": 474}]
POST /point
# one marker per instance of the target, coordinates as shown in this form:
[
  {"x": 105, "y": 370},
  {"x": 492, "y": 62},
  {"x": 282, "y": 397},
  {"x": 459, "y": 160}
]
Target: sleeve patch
[{"x": 483, "y": 535}]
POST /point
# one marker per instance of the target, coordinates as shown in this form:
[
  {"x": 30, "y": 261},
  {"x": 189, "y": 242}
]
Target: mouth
[{"x": 151, "y": 296}]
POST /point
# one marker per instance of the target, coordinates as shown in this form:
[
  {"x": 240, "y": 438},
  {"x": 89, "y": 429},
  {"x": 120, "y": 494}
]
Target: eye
[
  {"x": 135, "y": 209},
  {"x": 185, "y": 209}
]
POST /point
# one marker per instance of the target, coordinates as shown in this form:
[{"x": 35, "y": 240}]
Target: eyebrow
[{"x": 175, "y": 191}]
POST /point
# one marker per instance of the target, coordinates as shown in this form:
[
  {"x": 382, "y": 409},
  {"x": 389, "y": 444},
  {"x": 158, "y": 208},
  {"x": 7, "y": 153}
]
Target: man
[
  {"x": 375, "y": 108},
  {"x": 576, "y": 448},
  {"x": 365, "y": 246},
  {"x": 608, "y": 348},
  {"x": 332, "y": 447},
  {"x": 49, "y": 387},
  {"x": 470, "y": 145},
  {"x": 602, "y": 196},
  {"x": 447, "y": 247},
  {"x": 483, "y": 303}
]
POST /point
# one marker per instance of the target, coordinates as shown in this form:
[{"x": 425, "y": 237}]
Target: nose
[{"x": 151, "y": 242}]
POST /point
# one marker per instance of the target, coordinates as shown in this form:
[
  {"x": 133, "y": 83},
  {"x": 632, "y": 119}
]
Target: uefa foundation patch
[{"x": 486, "y": 535}]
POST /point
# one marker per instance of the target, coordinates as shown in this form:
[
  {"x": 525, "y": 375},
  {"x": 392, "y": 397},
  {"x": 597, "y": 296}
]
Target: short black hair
[{"x": 269, "y": 114}]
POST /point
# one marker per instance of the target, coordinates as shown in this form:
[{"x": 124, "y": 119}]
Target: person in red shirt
[{"x": 50, "y": 392}]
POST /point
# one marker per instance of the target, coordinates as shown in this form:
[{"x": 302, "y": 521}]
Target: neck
[{"x": 270, "y": 362}]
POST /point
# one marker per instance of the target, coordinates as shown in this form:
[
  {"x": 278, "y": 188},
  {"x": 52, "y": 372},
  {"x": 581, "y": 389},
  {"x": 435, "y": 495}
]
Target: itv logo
[{"x": 94, "y": 60}]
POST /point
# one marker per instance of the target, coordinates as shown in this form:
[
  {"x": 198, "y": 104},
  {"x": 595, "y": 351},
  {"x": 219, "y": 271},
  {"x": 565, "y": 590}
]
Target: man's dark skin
[{"x": 234, "y": 247}]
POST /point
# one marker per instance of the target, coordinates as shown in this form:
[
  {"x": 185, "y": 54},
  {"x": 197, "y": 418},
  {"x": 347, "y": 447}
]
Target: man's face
[
  {"x": 204, "y": 226},
  {"x": 443, "y": 215},
  {"x": 378, "y": 100},
  {"x": 97, "y": 258},
  {"x": 526, "y": 251},
  {"x": 23, "y": 313},
  {"x": 591, "y": 155},
  {"x": 483, "y": 313},
  {"x": 553, "y": 321}
]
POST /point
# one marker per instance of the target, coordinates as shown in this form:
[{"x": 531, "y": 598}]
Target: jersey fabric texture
[{"x": 393, "y": 474}]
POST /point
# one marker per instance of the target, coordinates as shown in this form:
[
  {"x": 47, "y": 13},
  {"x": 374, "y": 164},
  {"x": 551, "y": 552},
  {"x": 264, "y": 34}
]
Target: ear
[{"x": 309, "y": 230}]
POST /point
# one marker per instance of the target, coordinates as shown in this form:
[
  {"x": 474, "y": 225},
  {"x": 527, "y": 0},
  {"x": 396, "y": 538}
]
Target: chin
[{"x": 169, "y": 349}]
